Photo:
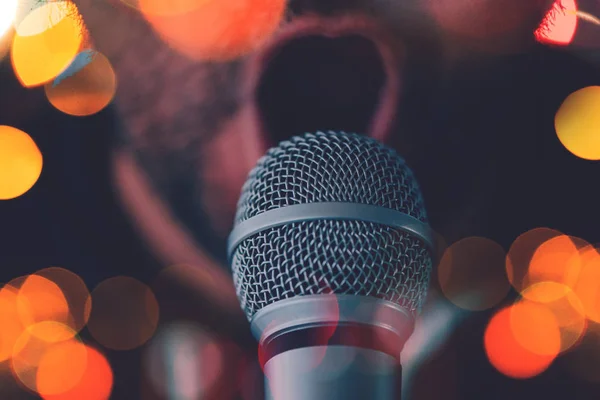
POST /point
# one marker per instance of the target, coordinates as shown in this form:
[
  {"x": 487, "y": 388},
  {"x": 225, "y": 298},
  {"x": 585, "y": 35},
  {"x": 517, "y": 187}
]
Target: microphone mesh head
[{"x": 331, "y": 256}]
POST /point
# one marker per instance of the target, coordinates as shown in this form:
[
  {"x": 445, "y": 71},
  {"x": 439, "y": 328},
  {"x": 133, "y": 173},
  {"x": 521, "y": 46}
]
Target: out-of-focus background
[{"x": 125, "y": 134}]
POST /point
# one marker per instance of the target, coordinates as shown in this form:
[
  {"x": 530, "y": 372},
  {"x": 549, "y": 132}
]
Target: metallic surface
[
  {"x": 329, "y": 211},
  {"x": 350, "y": 257},
  {"x": 314, "y": 310},
  {"x": 332, "y": 373}
]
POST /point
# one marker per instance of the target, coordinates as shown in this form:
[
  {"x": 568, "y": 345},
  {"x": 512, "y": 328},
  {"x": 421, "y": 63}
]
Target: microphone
[{"x": 331, "y": 254}]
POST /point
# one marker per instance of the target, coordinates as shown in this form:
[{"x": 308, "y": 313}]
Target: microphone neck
[
  {"x": 332, "y": 347},
  {"x": 333, "y": 373}
]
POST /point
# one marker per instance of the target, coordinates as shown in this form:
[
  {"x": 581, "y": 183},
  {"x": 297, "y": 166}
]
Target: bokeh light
[
  {"x": 11, "y": 323},
  {"x": 184, "y": 361},
  {"x": 217, "y": 30},
  {"x": 87, "y": 91},
  {"x": 60, "y": 343},
  {"x": 560, "y": 24},
  {"x": 564, "y": 305},
  {"x": 8, "y": 11},
  {"x": 160, "y": 7},
  {"x": 40, "y": 300},
  {"x": 587, "y": 287},
  {"x": 487, "y": 25},
  {"x": 508, "y": 355},
  {"x": 20, "y": 162},
  {"x": 577, "y": 123},
  {"x": 124, "y": 314},
  {"x": 472, "y": 275},
  {"x": 51, "y": 38},
  {"x": 521, "y": 252},
  {"x": 75, "y": 293},
  {"x": 535, "y": 328},
  {"x": 61, "y": 368},
  {"x": 556, "y": 260},
  {"x": 95, "y": 383}
]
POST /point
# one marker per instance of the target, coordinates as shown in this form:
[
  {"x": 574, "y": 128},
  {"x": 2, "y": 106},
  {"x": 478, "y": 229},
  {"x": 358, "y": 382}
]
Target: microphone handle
[{"x": 334, "y": 372}]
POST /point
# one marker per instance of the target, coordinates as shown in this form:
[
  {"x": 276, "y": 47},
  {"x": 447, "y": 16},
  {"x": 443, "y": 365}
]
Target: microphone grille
[
  {"x": 331, "y": 256},
  {"x": 329, "y": 167}
]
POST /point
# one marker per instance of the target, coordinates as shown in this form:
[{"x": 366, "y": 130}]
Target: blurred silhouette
[{"x": 151, "y": 181}]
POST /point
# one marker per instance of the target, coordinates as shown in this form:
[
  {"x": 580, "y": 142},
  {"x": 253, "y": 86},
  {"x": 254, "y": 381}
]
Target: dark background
[{"x": 71, "y": 217}]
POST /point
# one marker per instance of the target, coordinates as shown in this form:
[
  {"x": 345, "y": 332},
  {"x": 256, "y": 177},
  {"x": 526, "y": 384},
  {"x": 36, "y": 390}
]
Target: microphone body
[
  {"x": 332, "y": 347},
  {"x": 331, "y": 255},
  {"x": 344, "y": 373}
]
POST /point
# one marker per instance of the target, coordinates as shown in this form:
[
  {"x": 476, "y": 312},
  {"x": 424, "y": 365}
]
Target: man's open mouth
[{"x": 337, "y": 74}]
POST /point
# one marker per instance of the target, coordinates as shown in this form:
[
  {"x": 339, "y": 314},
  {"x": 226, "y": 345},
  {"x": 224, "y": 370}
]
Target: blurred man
[
  {"x": 191, "y": 130},
  {"x": 459, "y": 87}
]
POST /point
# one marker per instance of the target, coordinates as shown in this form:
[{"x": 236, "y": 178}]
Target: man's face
[{"x": 194, "y": 129}]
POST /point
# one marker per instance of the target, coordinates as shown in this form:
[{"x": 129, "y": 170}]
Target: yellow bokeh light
[
  {"x": 87, "y": 91},
  {"x": 39, "y": 58},
  {"x": 472, "y": 274},
  {"x": 577, "y": 123},
  {"x": 8, "y": 11},
  {"x": 20, "y": 162},
  {"x": 35, "y": 16}
]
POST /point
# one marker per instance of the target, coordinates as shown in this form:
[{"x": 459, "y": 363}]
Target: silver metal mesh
[{"x": 331, "y": 256}]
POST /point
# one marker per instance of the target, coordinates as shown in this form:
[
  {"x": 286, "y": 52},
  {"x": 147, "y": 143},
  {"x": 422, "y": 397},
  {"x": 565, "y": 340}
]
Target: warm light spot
[
  {"x": 37, "y": 341},
  {"x": 488, "y": 25},
  {"x": 219, "y": 30},
  {"x": 577, "y": 123},
  {"x": 95, "y": 383},
  {"x": 11, "y": 326},
  {"x": 5, "y": 42},
  {"x": 587, "y": 287},
  {"x": 37, "y": 16},
  {"x": 173, "y": 7},
  {"x": 39, "y": 58},
  {"x": 8, "y": 11},
  {"x": 560, "y": 23},
  {"x": 39, "y": 300},
  {"x": 75, "y": 293},
  {"x": 184, "y": 361},
  {"x": 472, "y": 274},
  {"x": 507, "y": 355},
  {"x": 535, "y": 328},
  {"x": 564, "y": 305},
  {"x": 20, "y": 162},
  {"x": 124, "y": 315},
  {"x": 85, "y": 92},
  {"x": 61, "y": 367},
  {"x": 556, "y": 260},
  {"x": 521, "y": 252}
]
